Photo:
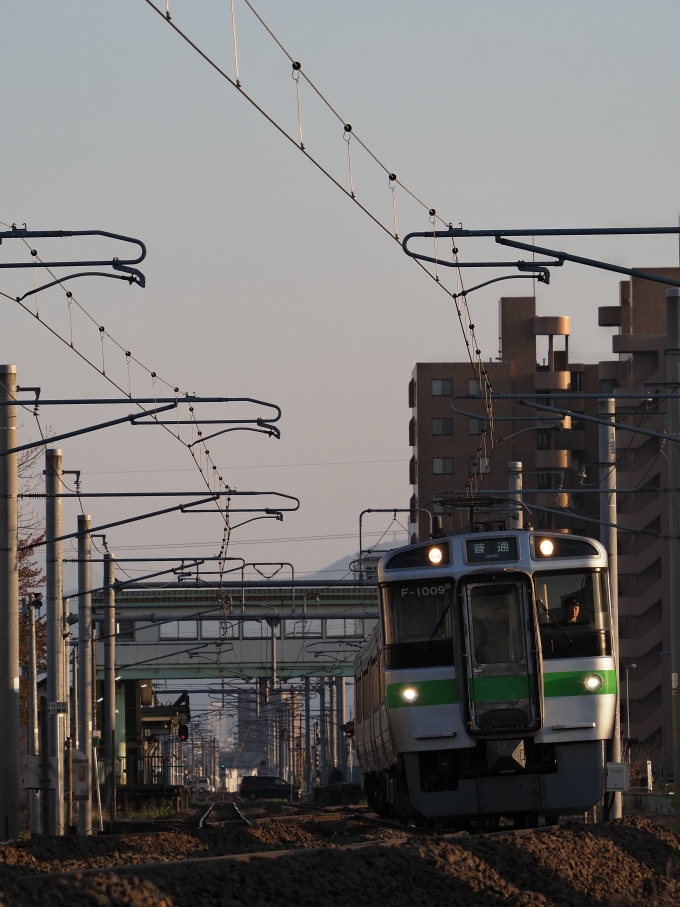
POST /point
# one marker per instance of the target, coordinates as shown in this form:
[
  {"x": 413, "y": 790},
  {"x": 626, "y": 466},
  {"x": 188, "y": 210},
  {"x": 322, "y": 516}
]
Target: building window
[
  {"x": 544, "y": 480},
  {"x": 125, "y": 629},
  {"x": 480, "y": 465},
  {"x": 412, "y": 393},
  {"x": 442, "y": 466},
  {"x": 442, "y": 387},
  {"x": 544, "y": 520},
  {"x": 442, "y": 426},
  {"x": 543, "y": 439},
  {"x": 576, "y": 381},
  {"x": 577, "y": 424},
  {"x": 179, "y": 629},
  {"x": 476, "y": 426},
  {"x": 219, "y": 629},
  {"x": 259, "y": 629},
  {"x": 473, "y": 387},
  {"x": 413, "y": 471},
  {"x": 412, "y": 433},
  {"x": 348, "y": 626},
  {"x": 303, "y": 626},
  {"x": 577, "y": 459}
]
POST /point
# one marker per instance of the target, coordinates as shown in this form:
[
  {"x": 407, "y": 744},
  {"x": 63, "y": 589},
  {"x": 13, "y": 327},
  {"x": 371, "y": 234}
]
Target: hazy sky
[{"x": 263, "y": 279}]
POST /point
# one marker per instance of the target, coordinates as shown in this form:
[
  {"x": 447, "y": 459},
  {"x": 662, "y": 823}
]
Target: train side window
[
  {"x": 357, "y": 698},
  {"x": 366, "y": 694},
  {"x": 375, "y": 685}
]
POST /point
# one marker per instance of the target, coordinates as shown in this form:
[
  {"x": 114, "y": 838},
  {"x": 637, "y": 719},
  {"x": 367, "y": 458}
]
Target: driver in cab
[{"x": 572, "y": 608}]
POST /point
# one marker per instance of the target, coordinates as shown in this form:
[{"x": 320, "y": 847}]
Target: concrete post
[
  {"x": 85, "y": 680},
  {"x": 332, "y": 724},
  {"x": 342, "y": 749},
  {"x": 516, "y": 520},
  {"x": 673, "y": 386},
  {"x": 9, "y": 611},
  {"x": 55, "y": 623},
  {"x": 308, "y": 737},
  {"x": 608, "y": 537},
  {"x": 110, "y": 680},
  {"x": 33, "y": 736},
  {"x": 323, "y": 756}
]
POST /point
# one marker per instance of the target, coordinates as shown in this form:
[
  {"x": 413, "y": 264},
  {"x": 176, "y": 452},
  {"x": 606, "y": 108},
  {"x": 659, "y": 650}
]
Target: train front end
[{"x": 499, "y": 676}]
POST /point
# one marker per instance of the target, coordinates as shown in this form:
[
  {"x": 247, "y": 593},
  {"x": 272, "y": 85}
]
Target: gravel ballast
[{"x": 630, "y": 862}]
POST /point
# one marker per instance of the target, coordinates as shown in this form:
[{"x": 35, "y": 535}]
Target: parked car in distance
[
  {"x": 267, "y": 787},
  {"x": 203, "y": 786}
]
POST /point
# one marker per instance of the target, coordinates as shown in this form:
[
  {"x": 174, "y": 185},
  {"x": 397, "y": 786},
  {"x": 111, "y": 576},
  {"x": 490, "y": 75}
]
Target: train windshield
[
  {"x": 418, "y": 624},
  {"x": 573, "y": 613}
]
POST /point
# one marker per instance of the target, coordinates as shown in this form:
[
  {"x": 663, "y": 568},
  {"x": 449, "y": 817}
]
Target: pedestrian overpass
[{"x": 238, "y": 630}]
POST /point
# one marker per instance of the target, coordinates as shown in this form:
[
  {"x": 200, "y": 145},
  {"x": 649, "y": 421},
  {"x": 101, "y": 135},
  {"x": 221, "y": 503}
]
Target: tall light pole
[
  {"x": 663, "y": 716},
  {"x": 628, "y": 668},
  {"x": 110, "y": 682},
  {"x": 9, "y": 610},
  {"x": 85, "y": 680},
  {"x": 673, "y": 426},
  {"x": 55, "y": 638},
  {"x": 608, "y": 537}
]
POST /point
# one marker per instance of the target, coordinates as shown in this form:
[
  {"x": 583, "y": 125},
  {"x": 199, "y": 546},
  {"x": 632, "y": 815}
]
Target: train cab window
[
  {"x": 418, "y": 624},
  {"x": 496, "y": 613},
  {"x": 573, "y": 613}
]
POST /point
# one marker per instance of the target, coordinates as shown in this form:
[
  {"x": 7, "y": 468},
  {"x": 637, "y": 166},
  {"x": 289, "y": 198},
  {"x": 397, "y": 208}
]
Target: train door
[{"x": 499, "y": 645}]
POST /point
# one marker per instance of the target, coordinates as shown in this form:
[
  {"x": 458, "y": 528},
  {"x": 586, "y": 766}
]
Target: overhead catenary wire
[{"x": 481, "y": 375}]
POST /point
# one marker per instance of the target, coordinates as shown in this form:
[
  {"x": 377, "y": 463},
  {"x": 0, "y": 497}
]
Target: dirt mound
[{"x": 626, "y": 864}]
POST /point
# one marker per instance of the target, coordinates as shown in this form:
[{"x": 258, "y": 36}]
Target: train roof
[{"x": 468, "y": 552}]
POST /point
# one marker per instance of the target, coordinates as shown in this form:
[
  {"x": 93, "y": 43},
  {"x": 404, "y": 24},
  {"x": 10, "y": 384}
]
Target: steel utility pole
[
  {"x": 308, "y": 736},
  {"x": 55, "y": 641},
  {"x": 9, "y": 610},
  {"x": 673, "y": 378},
  {"x": 608, "y": 537},
  {"x": 332, "y": 724},
  {"x": 342, "y": 749},
  {"x": 515, "y": 494},
  {"x": 110, "y": 681},
  {"x": 323, "y": 763},
  {"x": 85, "y": 680},
  {"x": 33, "y": 738}
]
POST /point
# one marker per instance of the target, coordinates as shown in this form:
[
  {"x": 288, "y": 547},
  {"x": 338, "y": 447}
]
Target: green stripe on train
[
  {"x": 571, "y": 683},
  {"x": 499, "y": 689},
  {"x": 430, "y": 692}
]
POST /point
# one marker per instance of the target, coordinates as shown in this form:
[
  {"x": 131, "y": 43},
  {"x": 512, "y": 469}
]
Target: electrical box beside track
[{"x": 617, "y": 776}]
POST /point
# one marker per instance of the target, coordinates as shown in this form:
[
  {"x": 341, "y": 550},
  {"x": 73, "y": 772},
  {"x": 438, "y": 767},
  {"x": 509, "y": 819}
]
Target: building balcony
[
  {"x": 559, "y": 325},
  {"x": 552, "y": 381},
  {"x": 552, "y": 459}
]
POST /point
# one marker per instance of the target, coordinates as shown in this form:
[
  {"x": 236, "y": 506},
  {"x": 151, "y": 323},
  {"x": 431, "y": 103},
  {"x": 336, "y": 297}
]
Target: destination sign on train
[{"x": 483, "y": 550}]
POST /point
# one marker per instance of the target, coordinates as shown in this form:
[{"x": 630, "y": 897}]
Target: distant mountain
[{"x": 341, "y": 570}]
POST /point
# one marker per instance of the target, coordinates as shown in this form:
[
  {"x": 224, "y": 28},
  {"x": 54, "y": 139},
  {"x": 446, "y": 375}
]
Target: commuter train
[{"x": 489, "y": 687}]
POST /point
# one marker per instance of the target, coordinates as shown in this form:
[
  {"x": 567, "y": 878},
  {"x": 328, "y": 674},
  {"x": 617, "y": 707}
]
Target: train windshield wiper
[
  {"x": 554, "y": 619},
  {"x": 438, "y": 625}
]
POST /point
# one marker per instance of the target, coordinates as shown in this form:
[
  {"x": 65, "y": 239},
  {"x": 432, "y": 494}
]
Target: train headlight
[
  {"x": 546, "y": 547},
  {"x": 408, "y": 694},
  {"x": 593, "y": 683},
  {"x": 435, "y": 556}
]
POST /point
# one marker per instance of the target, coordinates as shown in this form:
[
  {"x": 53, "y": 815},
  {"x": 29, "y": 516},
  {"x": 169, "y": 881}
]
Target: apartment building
[
  {"x": 445, "y": 444},
  {"x": 533, "y": 357},
  {"x": 644, "y": 593}
]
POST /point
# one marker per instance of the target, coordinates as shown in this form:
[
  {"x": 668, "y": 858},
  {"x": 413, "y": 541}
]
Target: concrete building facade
[
  {"x": 447, "y": 447},
  {"x": 644, "y": 593},
  {"x": 445, "y": 444}
]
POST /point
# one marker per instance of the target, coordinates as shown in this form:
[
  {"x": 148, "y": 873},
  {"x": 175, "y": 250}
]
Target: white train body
[{"x": 480, "y": 694}]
